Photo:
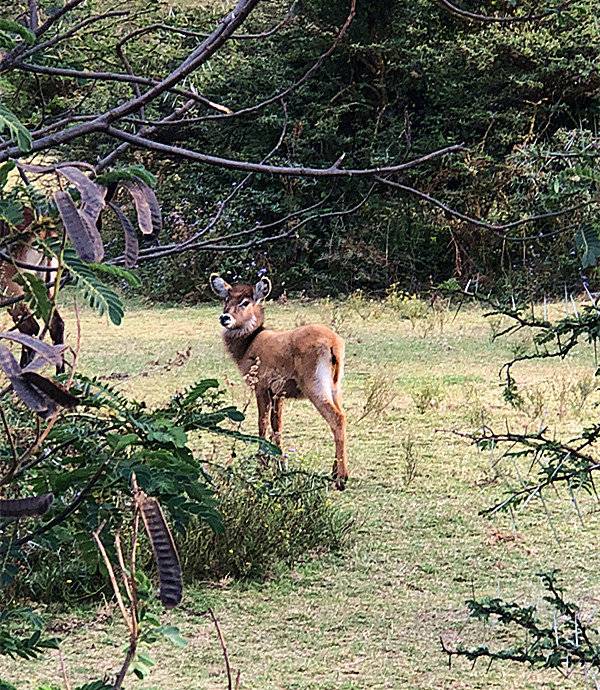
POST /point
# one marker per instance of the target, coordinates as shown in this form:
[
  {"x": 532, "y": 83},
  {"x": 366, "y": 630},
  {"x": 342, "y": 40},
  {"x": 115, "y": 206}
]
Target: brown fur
[{"x": 305, "y": 362}]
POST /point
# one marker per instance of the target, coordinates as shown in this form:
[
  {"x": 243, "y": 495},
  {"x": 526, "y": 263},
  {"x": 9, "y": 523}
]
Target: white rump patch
[{"x": 324, "y": 379}]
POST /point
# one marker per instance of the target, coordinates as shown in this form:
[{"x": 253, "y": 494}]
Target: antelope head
[{"x": 243, "y": 310}]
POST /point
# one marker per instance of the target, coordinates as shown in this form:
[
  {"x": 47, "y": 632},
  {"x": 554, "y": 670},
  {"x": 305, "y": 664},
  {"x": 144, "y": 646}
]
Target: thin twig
[
  {"x": 9, "y": 436},
  {"x": 223, "y": 648},
  {"x": 112, "y": 576},
  {"x": 121, "y": 561},
  {"x": 492, "y": 19},
  {"x": 63, "y": 670}
]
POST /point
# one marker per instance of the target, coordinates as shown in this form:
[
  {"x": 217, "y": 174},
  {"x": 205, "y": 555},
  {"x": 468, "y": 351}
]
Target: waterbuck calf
[{"x": 305, "y": 362}]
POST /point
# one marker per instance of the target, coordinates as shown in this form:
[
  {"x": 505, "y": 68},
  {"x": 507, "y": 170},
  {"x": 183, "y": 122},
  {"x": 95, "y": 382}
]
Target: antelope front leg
[
  {"x": 277, "y": 420},
  {"x": 263, "y": 402}
]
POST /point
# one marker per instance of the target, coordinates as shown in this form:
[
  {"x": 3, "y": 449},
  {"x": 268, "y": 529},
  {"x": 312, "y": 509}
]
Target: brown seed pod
[
  {"x": 53, "y": 390},
  {"x": 22, "y": 507},
  {"x": 165, "y": 552}
]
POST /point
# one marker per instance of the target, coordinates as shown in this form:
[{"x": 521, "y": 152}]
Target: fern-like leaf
[
  {"x": 117, "y": 272},
  {"x": 36, "y": 295},
  {"x": 93, "y": 391},
  {"x": 588, "y": 243},
  {"x": 17, "y": 131},
  {"x": 5, "y": 169},
  {"x": 99, "y": 296},
  {"x": 127, "y": 173},
  {"x": 12, "y": 27}
]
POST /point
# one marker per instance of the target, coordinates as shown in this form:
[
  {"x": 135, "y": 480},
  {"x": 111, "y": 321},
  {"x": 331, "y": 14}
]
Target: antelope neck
[{"x": 237, "y": 346}]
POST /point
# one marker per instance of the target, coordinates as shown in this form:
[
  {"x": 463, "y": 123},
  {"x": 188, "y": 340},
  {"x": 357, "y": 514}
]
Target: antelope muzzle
[{"x": 227, "y": 321}]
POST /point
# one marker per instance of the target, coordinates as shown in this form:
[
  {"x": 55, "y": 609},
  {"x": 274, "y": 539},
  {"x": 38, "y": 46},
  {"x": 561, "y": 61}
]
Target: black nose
[{"x": 224, "y": 318}]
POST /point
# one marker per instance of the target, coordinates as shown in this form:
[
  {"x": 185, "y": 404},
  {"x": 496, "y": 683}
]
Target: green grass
[{"x": 372, "y": 617}]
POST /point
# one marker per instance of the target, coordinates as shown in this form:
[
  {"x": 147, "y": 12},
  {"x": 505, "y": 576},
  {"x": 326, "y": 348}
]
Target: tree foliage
[{"x": 521, "y": 96}]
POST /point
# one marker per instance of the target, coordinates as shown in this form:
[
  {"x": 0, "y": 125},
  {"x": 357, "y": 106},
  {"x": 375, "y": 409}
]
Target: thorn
[{"x": 336, "y": 165}]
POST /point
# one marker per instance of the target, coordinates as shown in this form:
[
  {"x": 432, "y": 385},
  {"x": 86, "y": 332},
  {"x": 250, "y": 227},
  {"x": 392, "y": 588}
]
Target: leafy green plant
[
  {"x": 588, "y": 245},
  {"x": 21, "y": 632},
  {"x": 88, "y": 460},
  {"x": 427, "y": 396},
  {"x": 97, "y": 294},
  {"x": 9, "y": 122},
  {"x": 272, "y": 516},
  {"x": 36, "y": 294},
  {"x": 9, "y": 29},
  {"x": 126, "y": 173}
]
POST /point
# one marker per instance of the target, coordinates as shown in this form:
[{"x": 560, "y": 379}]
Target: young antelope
[{"x": 305, "y": 362}]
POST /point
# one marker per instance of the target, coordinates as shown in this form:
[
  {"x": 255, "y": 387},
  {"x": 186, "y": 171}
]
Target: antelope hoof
[{"x": 339, "y": 477}]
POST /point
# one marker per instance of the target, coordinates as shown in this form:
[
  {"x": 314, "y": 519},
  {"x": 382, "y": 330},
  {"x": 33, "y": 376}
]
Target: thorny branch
[
  {"x": 558, "y": 639},
  {"x": 572, "y": 464}
]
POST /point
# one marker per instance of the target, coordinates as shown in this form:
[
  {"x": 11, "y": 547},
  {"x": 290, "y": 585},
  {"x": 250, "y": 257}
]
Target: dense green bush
[
  {"x": 408, "y": 78},
  {"x": 272, "y": 514}
]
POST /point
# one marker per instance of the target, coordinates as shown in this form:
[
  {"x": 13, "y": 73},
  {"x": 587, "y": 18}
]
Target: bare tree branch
[
  {"x": 285, "y": 92},
  {"x": 73, "y": 30},
  {"x": 34, "y": 18},
  {"x": 289, "y": 171},
  {"x": 498, "y": 228},
  {"x": 58, "y": 14},
  {"x": 158, "y": 26},
  {"x": 174, "y": 116},
  {"x": 4, "y": 256},
  {"x": 129, "y": 78},
  {"x": 223, "y": 243},
  {"x": 195, "y": 59}
]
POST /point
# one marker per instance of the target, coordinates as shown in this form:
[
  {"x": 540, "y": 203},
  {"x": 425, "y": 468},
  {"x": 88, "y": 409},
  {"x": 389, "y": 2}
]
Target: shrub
[
  {"x": 379, "y": 394},
  {"x": 272, "y": 515},
  {"x": 427, "y": 396},
  {"x": 87, "y": 463},
  {"x": 410, "y": 460}
]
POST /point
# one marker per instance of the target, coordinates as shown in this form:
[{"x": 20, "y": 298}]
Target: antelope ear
[
  {"x": 262, "y": 289},
  {"x": 219, "y": 286}
]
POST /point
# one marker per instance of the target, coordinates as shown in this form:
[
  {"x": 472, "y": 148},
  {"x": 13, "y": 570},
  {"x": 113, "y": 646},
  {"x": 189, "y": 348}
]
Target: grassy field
[{"x": 373, "y": 616}]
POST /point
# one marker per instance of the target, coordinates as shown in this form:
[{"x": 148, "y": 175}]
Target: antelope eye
[{"x": 244, "y": 303}]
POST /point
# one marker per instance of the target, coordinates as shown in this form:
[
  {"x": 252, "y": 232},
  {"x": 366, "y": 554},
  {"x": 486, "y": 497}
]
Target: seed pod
[
  {"x": 146, "y": 205},
  {"x": 59, "y": 394},
  {"x": 132, "y": 245},
  {"x": 22, "y": 507},
  {"x": 165, "y": 552}
]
